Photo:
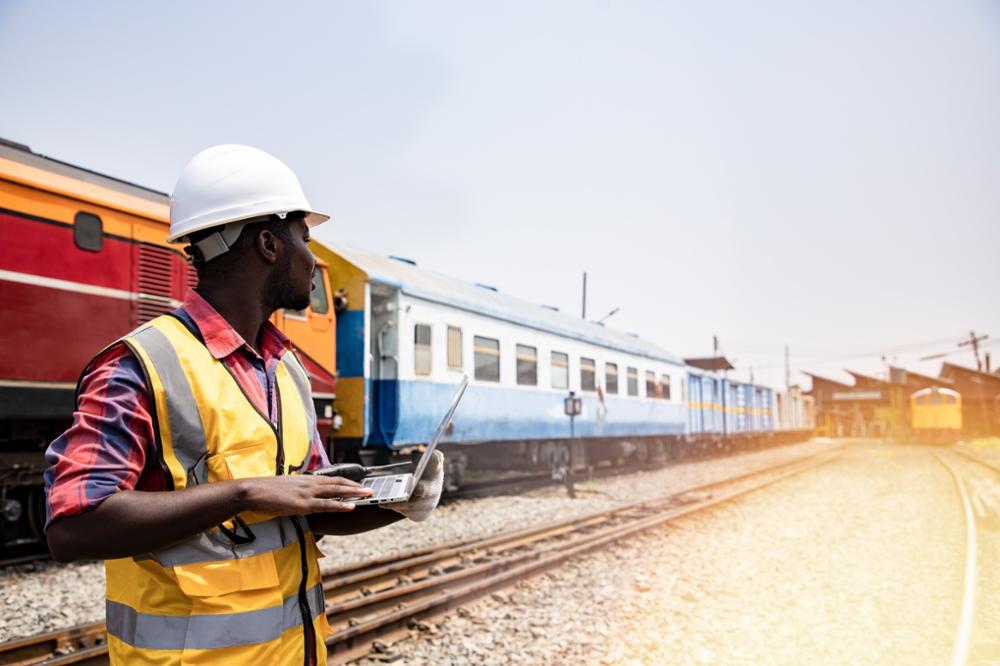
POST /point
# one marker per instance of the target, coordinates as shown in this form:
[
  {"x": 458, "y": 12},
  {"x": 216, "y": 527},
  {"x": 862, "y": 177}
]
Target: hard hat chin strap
[{"x": 218, "y": 243}]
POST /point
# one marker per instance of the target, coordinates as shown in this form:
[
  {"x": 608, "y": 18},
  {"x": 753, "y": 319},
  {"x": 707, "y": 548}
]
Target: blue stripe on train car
[
  {"x": 496, "y": 413},
  {"x": 351, "y": 343}
]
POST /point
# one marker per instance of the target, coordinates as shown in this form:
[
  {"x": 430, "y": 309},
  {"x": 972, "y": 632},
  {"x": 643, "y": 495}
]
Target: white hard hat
[{"x": 234, "y": 183}]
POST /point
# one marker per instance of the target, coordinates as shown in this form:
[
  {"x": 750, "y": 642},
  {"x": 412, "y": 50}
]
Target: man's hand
[
  {"x": 299, "y": 494},
  {"x": 427, "y": 493}
]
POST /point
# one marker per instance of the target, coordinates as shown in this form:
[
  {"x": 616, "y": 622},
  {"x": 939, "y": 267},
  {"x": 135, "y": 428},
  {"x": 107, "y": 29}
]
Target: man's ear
[{"x": 268, "y": 245}]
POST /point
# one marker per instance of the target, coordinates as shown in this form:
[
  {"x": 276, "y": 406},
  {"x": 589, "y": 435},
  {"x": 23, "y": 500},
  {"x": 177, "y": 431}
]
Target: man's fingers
[
  {"x": 337, "y": 479},
  {"x": 342, "y": 490},
  {"x": 331, "y": 505}
]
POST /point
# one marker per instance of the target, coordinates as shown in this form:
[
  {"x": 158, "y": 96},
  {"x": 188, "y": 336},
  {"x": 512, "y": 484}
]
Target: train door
[
  {"x": 385, "y": 341},
  {"x": 693, "y": 404},
  {"x": 741, "y": 406},
  {"x": 314, "y": 329},
  {"x": 724, "y": 406},
  {"x": 710, "y": 404}
]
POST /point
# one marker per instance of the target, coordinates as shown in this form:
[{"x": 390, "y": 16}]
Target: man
[{"x": 181, "y": 467}]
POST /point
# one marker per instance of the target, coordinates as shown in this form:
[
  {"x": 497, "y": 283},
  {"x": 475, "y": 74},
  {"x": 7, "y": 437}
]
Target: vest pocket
[
  {"x": 243, "y": 463},
  {"x": 213, "y": 579}
]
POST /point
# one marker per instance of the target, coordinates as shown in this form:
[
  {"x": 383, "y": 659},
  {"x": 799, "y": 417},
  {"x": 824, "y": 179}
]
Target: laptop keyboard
[{"x": 382, "y": 486}]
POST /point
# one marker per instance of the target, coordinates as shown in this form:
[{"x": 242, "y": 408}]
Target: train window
[
  {"x": 487, "y": 358},
  {"x": 632, "y": 375},
  {"x": 936, "y": 398},
  {"x": 611, "y": 378},
  {"x": 651, "y": 384},
  {"x": 422, "y": 349},
  {"x": 527, "y": 365},
  {"x": 560, "y": 370},
  {"x": 587, "y": 375},
  {"x": 318, "y": 300},
  {"x": 454, "y": 347},
  {"x": 88, "y": 232},
  {"x": 665, "y": 387}
]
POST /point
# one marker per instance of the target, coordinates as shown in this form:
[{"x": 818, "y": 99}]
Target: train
[
  {"x": 85, "y": 260},
  {"x": 936, "y": 415},
  {"x": 407, "y": 335}
]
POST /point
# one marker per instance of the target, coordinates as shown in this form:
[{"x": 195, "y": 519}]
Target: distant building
[
  {"x": 846, "y": 410},
  {"x": 873, "y": 407},
  {"x": 980, "y": 398}
]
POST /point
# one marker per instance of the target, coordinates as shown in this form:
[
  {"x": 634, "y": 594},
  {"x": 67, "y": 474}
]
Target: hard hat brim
[{"x": 312, "y": 218}]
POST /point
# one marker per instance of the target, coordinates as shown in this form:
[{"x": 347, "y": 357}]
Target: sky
[{"x": 822, "y": 175}]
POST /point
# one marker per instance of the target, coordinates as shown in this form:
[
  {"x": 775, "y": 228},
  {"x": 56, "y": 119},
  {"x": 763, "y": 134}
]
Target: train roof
[
  {"x": 481, "y": 299},
  {"x": 20, "y": 164},
  {"x": 936, "y": 389}
]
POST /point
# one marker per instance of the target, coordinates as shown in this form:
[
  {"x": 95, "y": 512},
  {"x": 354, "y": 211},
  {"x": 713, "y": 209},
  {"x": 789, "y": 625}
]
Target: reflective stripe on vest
[
  {"x": 206, "y": 632},
  {"x": 187, "y": 432},
  {"x": 214, "y": 546},
  {"x": 301, "y": 379},
  {"x": 206, "y": 592}
]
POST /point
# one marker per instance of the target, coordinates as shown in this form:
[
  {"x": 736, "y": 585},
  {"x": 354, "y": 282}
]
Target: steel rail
[
  {"x": 969, "y": 455},
  {"x": 23, "y": 559},
  {"x": 963, "y": 634},
  {"x": 382, "y": 598}
]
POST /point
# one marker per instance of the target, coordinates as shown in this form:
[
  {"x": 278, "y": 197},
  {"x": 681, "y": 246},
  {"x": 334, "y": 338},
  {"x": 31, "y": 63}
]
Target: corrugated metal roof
[{"x": 439, "y": 288}]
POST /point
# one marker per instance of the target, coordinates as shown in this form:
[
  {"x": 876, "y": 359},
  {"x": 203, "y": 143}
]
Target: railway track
[
  {"x": 384, "y": 599},
  {"x": 969, "y": 455},
  {"x": 974, "y": 633},
  {"x": 24, "y": 559}
]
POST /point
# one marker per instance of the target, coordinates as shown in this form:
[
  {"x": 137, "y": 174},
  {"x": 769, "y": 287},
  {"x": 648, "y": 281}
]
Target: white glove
[{"x": 427, "y": 493}]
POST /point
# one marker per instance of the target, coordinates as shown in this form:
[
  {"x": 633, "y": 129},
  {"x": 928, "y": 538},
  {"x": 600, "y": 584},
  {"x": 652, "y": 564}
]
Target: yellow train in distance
[{"x": 936, "y": 415}]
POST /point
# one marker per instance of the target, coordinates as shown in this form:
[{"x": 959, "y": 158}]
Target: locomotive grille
[
  {"x": 155, "y": 282},
  {"x": 191, "y": 275}
]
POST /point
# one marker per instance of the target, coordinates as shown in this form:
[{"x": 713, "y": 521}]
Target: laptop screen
[{"x": 439, "y": 433}]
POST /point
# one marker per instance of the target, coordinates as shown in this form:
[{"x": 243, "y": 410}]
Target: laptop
[{"x": 390, "y": 488}]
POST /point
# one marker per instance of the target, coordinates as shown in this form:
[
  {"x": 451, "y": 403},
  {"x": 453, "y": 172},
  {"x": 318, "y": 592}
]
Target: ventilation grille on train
[
  {"x": 191, "y": 276},
  {"x": 155, "y": 282}
]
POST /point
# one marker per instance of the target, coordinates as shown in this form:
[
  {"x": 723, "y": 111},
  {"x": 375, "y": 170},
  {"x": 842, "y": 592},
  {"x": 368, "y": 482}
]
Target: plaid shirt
[{"x": 111, "y": 445}]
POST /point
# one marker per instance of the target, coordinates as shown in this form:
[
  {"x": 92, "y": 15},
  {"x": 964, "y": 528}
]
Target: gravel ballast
[
  {"x": 44, "y": 596},
  {"x": 856, "y": 562}
]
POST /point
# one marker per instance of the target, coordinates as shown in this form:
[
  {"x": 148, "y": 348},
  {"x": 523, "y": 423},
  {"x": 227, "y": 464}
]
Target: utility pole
[
  {"x": 715, "y": 345},
  {"x": 788, "y": 374},
  {"x": 973, "y": 342},
  {"x": 584, "y": 315}
]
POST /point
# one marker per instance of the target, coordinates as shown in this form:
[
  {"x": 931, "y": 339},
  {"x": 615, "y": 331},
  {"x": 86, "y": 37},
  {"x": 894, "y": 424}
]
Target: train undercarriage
[{"x": 479, "y": 460}]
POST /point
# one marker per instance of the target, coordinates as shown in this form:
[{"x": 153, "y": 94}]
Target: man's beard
[{"x": 281, "y": 293}]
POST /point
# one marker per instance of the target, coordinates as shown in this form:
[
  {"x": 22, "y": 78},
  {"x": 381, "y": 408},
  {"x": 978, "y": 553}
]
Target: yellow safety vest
[{"x": 212, "y": 599}]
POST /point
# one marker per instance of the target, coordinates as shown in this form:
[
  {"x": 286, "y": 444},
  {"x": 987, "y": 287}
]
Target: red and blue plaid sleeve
[
  {"x": 111, "y": 442},
  {"x": 318, "y": 459}
]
